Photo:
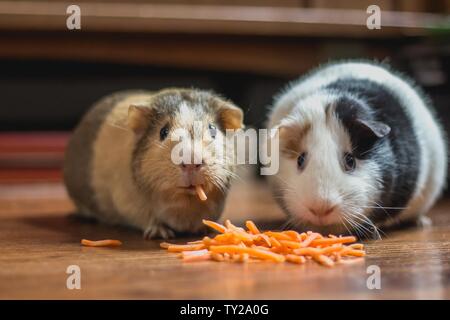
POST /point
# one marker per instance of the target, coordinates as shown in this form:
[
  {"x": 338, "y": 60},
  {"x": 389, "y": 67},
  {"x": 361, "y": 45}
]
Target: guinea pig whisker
[
  {"x": 287, "y": 224},
  {"x": 143, "y": 160},
  {"x": 388, "y": 216},
  {"x": 370, "y": 150},
  {"x": 288, "y": 187},
  {"x": 217, "y": 181},
  {"x": 160, "y": 145},
  {"x": 360, "y": 229},
  {"x": 370, "y": 224},
  {"x": 345, "y": 225},
  {"x": 357, "y": 217},
  {"x": 363, "y": 218},
  {"x": 389, "y": 208},
  {"x": 233, "y": 175},
  {"x": 384, "y": 210},
  {"x": 353, "y": 227},
  {"x": 283, "y": 189},
  {"x": 290, "y": 151},
  {"x": 295, "y": 223}
]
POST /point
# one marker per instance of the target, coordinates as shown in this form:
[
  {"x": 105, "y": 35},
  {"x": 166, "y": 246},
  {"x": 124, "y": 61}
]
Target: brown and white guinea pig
[
  {"x": 119, "y": 168},
  {"x": 359, "y": 150}
]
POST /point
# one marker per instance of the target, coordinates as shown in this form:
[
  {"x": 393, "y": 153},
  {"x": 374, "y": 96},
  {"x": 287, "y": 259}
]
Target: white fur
[{"x": 324, "y": 141}]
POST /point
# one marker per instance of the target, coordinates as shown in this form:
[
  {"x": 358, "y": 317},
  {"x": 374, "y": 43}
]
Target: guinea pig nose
[
  {"x": 191, "y": 166},
  {"x": 322, "y": 212}
]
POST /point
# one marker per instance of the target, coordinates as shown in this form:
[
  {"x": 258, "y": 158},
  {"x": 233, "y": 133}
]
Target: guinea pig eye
[
  {"x": 301, "y": 161},
  {"x": 164, "y": 132},
  {"x": 349, "y": 162},
  {"x": 212, "y": 130}
]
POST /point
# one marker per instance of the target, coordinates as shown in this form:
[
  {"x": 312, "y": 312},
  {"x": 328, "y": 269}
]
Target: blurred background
[{"x": 246, "y": 50}]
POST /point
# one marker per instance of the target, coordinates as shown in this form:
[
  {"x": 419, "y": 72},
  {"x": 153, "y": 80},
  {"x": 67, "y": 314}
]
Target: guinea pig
[
  {"x": 360, "y": 150},
  {"x": 119, "y": 164}
]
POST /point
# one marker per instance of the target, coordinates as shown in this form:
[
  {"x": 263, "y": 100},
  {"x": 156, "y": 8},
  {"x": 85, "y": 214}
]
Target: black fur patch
[{"x": 397, "y": 154}]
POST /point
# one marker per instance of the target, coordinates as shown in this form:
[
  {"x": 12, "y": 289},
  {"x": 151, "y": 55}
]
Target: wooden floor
[{"x": 40, "y": 239}]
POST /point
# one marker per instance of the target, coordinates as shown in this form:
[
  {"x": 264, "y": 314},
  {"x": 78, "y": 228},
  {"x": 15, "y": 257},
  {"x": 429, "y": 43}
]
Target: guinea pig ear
[
  {"x": 139, "y": 118},
  {"x": 230, "y": 116},
  {"x": 376, "y": 129},
  {"x": 365, "y": 133}
]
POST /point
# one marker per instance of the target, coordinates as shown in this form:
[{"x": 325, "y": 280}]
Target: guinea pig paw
[
  {"x": 156, "y": 231},
  {"x": 424, "y": 222}
]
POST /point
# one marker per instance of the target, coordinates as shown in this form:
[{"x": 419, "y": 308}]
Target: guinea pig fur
[
  {"x": 360, "y": 150},
  {"x": 118, "y": 166}
]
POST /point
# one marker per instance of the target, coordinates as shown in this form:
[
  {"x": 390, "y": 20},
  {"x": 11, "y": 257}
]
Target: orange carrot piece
[
  {"x": 295, "y": 259},
  {"x": 253, "y": 252},
  {"x": 240, "y": 257},
  {"x": 201, "y": 192},
  {"x": 324, "y": 260},
  {"x": 357, "y": 246},
  {"x": 252, "y": 227},
  {"x": 216, "y": 226},
  {"x": 224, "y": 237},
  {"x": 195, "y": 242},
  {"x": 199, "y": 255},
  {"x": 274, "y": 242},
  {"x": 229, "y": 225},
  {"x": 243, "y": 236},
  {"x": 334, "y": 248},
  {"x": 245, "y": 257},
  {"x": 217, "y": 257},
  {"x": 194, "y": 252},
  {"x": 265, "y": 238},
  {"x": 337, "y": 256},
  {"x": 204, "y": 257},
  {"x": 307, "y": 251},
  {"x": 281, "y": 250},
  {"x": 330, "y": 241},
  {"x": 311, "y": 237},
  {"x": 101, "y": 243},
  {"x": 291, "y": 244},
  {"x": 278, "y": 235},
  {"x": 260, "y": 247},
  {"x": 294, "y": 235},
  {"x": 185, "y": 247},
  {"x": 353, "y": 252},
  {"x": 165, "y": 245}
]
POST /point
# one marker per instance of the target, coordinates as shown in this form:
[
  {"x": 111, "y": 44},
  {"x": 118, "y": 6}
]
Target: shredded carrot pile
[
  {"x": 237, "y": 244},
  {"x": 101, "y": 243}
]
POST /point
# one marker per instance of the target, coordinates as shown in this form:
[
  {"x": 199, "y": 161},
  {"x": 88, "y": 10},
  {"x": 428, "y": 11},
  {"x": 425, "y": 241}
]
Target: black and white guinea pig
[{"x": 359, "y": 150}]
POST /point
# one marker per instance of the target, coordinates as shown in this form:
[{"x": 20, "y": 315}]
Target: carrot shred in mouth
[
  {"x": 235, "y": 244},
  {"x": 201, "y": 192}
]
